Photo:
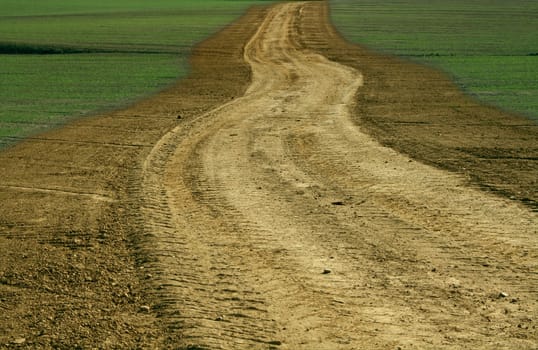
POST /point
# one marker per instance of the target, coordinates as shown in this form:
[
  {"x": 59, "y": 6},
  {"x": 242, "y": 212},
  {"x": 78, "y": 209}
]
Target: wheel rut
[{"x": 274, "y": 221}]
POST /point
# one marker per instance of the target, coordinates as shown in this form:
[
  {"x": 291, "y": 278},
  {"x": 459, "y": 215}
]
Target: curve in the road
[{"x": 273, "y": 220}]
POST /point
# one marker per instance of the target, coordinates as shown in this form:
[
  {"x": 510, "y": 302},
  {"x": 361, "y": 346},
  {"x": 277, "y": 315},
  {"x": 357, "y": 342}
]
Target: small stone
[
  {"x": 148, "y": 276},
  {"x": 19, "y": 341},
  {"x": 144, "y": 308},
  {"x": 337, "y": 203},
  {"x": 326, "y": 271},
  {"x": 179, "y": 116},
  {"x": 219, "y": 318},
  {"x": 454, "y": 283},
  {"x": 503, "y": 295}
]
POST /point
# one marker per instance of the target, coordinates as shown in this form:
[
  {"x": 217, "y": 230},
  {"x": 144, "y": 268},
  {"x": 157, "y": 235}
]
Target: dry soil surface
[{"x": 268, "y": 216}]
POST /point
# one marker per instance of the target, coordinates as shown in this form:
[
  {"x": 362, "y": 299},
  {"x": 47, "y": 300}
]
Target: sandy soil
[{"x": 270, "y": 215}]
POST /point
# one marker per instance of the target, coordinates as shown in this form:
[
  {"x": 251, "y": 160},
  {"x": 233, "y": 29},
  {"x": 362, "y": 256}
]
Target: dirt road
[{"x": 275, "y": 221}]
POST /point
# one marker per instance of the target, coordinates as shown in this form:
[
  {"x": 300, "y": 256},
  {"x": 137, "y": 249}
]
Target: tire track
[{"x": 274, "y": 221}]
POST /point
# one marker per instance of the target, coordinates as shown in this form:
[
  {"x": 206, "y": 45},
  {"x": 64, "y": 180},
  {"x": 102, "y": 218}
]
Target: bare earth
[{"x": 268, "y": 216}]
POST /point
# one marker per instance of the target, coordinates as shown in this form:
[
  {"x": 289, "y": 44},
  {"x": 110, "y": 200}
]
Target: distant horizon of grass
[
  {"x": 489, "y": 47},
  {"x": 62, "y": 60}
]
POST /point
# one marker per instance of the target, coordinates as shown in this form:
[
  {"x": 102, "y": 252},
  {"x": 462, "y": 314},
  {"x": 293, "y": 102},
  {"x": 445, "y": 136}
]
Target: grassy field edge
[{"x": 473, "y": 43}]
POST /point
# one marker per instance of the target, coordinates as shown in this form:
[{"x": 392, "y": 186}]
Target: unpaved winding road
[
  {"x": 267, "y": 216},
  {"x": 274, "y": 221}
]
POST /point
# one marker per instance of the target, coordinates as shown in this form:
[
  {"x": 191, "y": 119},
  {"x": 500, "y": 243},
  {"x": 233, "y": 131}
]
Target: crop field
[
  {"x": 488, "y": 46},
  {"x": 60, "y": 60}
]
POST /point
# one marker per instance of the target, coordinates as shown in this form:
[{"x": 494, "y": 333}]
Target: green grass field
[
  {"x": 490, "y": 47},
  {"x": 63, "y": 59}
]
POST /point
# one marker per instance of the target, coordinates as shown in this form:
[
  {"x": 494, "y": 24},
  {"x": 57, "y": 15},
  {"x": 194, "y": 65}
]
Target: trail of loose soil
[{"x": 270, "y": 220}]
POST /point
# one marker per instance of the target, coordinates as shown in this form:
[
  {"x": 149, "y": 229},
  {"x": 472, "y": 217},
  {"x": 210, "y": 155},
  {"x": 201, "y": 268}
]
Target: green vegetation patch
[
  {"x": 39, "y": 91},
  {"x": 489, "y": 46},
  {"x": 63, "y": 59},
  {"x": 505, "y": 81}
]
